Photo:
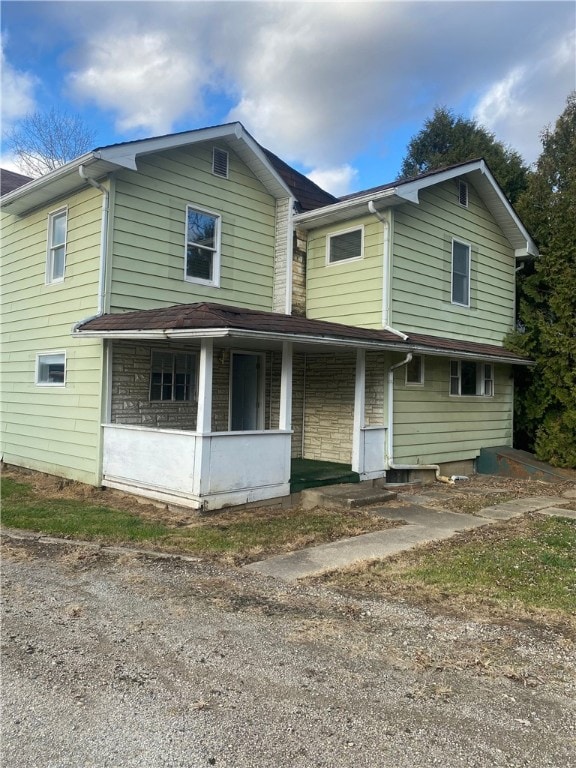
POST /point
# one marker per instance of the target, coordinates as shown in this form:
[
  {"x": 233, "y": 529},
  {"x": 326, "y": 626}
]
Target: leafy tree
[
  {"x": 43, "y": 141},
  {"x": 546, "y": 397},
  {"x": 447, "y": 139}
]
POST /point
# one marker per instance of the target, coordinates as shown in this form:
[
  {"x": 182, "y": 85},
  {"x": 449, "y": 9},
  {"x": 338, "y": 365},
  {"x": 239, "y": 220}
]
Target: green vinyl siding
[
  {"x": 422, "y": 259},
  {"x": 431, "y": 426},
  {"x": 51, "y": 429},
  {"x": 347, "y": 292},
  {"x": 148, "y": 246}
]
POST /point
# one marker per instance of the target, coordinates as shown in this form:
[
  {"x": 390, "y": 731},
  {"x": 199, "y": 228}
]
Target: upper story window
[
  {"x": 463, "y": 193},
  {"x": 460, "y": 273},
  {"x": 173, "y": 376},
  {"x": 56, "y": 254},
  {"x": 415, "y": 371},
  {"x": 471, "y": 379},
  {"x": 345, "y": 246},
  {"x": 202, "y": 246},
  {"x": 51, "y": 369},
  {"x": 220, "y": 162}
]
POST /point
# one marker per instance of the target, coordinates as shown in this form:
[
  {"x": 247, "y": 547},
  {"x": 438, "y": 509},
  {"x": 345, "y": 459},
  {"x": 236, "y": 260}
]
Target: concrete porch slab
[{"x": 348, "y": 495}]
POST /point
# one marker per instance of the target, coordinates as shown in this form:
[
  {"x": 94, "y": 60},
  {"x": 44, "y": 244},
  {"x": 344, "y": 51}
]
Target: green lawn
[
  {"x": 239, "y": 535},
  {"x": 528, "y": 561}
]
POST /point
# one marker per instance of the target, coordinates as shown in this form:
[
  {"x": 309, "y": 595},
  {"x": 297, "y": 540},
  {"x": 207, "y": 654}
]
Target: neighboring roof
[
  {"x": 277, "y": 176},
  {"x": 10, "y": 180},
  {"x": 408, "y": 190},
  {"x": 205, "y": 319},
  {"x": 308, "y": 194}
]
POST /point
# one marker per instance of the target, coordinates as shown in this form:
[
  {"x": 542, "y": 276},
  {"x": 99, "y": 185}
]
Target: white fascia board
[
  {"x": 343, "y": 210},
  {"x": 183, "y": 334}
]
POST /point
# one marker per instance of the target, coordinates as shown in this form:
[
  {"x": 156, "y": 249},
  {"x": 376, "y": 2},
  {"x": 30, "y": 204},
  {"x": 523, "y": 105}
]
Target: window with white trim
[
  {"x": 51, "y": 369},
  {"x": 345, "y": 246},
  {"x": 56, "y": 255},
  {"x": 202, "y": 246},
  {"x": 173, "y": 376},
  {"x": 461, "y": 273},
  {"x": 220, "y": 162},
  {"x": 471, "y": 379},
  {"x": 415, "y": 371}
]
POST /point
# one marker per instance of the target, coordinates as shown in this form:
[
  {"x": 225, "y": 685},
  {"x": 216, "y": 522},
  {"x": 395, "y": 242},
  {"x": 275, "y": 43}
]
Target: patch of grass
[
  {"x": 238, "y": 535},
  {"x": 529, "y": 562}
]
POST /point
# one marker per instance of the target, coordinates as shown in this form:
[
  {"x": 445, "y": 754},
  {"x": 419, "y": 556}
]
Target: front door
[{"x": 247, "y": 386}]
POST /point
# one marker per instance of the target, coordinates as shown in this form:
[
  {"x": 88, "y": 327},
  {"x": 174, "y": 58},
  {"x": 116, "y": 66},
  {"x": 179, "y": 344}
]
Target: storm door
[{"x": 247, "y": 391}]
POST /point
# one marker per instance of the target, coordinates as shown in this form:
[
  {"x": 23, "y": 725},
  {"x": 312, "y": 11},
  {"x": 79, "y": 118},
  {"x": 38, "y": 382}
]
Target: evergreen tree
[
  {"x": 446, "y": 139},
  {"x": 546, "y": 396}
]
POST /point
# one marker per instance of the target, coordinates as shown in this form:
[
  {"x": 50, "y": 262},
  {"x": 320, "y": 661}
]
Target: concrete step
[{"x": 349, "y": 495}]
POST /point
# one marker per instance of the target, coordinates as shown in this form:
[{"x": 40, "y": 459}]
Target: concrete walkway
[{"x": 423, "y": 524}]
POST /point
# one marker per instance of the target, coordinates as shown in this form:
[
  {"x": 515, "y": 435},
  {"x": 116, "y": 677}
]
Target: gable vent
[
  {"x": 220, "y": 162},
  {"x": 463, "y": 193}
]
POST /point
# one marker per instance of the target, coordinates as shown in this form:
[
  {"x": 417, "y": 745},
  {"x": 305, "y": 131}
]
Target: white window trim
[
  {"x": 48, "y": 278},
  {"x": 469, "y": 246},
  {"x": 416, "y": 383},
  {"x": 480, "y": 379},
  {"x": 215, "y": 282},
  {"x": 344, "y": 232},
  {"x": 37, "y": 369}
]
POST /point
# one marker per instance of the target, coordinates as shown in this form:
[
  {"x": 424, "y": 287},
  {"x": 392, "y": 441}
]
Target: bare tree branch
[{"x": 44, "y": 141}]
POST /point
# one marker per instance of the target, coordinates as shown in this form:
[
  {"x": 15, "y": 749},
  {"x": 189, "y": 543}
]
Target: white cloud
[
  {"x": 518, "y": 106},
  {"x": 338, "y": 181},
  {"x": 17, "y": 92},
  {"x": 143, "y": 78}
]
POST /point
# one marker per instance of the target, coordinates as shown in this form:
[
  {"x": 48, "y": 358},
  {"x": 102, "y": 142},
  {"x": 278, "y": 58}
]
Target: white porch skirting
[{"x": 202, "y": 471}]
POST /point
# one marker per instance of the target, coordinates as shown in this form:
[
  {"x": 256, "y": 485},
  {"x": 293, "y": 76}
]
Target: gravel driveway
[{"x": 116, "y": 660}]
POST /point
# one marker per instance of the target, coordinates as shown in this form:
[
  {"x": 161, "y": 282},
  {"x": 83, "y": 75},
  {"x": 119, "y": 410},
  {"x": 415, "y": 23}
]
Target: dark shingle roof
[
  {"x": 308, "y": 194},
  {"x": 10, "y": 180},
  {"x": 206, "y": 315}
]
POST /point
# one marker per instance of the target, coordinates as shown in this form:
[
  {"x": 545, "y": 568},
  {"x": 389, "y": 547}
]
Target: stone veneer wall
[
  {"x": 329, "y": 407},
  {"x": 131, "y": 389},
  {"x": 375, "y": 412},
  {"x": 280, "y": 254},
  {"x": 299, "y": 273}
]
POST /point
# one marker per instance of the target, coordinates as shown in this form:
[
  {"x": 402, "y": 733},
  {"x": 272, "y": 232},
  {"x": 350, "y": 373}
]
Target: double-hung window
[
  {"x": 202, "y": 246},
  {"x": 345, "y": 246},
  {"x": 173, "y": 376},
  {"x": 471, "y": 379},
  {"x": 56, "y": 256},
  {"x": 415, "y": 371},
  {"x": 51, "y": 369},
  {"x": 460, "y": 273}
]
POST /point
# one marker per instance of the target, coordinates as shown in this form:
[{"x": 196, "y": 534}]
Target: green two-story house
[{"x": 186, "y": 317}]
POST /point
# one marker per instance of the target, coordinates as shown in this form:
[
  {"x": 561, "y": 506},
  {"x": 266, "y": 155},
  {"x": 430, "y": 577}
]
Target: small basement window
[
  {"x": 220, "y": 162},
  {"x": 344, "y": 246},
  {"x": 173, "y": 377},
  {"x": 51, "y": 369},
  {"x": 471, "y": 379}
]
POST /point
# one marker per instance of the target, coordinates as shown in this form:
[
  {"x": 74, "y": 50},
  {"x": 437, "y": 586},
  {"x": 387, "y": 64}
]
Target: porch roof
[{"x": 210, "y": 320}]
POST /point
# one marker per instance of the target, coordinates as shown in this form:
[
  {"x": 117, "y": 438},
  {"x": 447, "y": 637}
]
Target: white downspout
[
  {"x": 386, "y": 274},
  {"x": 103, "y": 238},
  {"x": 390, "y": 430}
]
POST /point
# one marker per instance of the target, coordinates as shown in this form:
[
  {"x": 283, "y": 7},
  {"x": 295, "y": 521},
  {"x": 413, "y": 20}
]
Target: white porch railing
[{"x": 205, "y": 471}]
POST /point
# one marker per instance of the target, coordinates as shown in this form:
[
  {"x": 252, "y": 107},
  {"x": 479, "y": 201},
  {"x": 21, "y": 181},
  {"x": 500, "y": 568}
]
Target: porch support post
[
  {"x": 286, "y": 387},
  {"x": 359, "y": 405},
  {"x": 204, "y": 420}
]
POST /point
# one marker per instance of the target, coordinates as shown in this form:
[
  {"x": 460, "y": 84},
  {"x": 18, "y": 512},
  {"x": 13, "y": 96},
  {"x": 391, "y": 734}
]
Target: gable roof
[
  {"x": 210, "y": 320},
  {"x": 408, "y": 191},
  {"x": 10, "y": 180},
  {"x": 277, "y": 177}
]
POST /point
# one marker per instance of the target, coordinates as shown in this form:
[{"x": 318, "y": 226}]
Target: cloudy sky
[{"x": 337, "y": 89}]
